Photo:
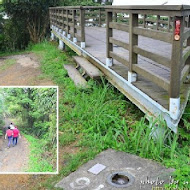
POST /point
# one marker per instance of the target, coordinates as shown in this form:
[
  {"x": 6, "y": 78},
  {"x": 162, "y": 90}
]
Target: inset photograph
[{"x": 29, "y": 130}]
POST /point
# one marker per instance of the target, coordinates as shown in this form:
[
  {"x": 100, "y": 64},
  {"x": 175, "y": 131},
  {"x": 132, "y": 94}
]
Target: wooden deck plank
[
  {"x": 75, "y": 76},
  {"x": 92, "y": 71}
]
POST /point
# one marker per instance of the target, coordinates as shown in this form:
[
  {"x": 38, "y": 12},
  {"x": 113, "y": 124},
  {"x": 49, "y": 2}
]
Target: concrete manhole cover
[{"x": 120, "y": 179}]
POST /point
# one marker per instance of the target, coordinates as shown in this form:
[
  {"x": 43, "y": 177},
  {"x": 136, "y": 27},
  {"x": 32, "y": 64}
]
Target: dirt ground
[{"x": 24, "y": 70}]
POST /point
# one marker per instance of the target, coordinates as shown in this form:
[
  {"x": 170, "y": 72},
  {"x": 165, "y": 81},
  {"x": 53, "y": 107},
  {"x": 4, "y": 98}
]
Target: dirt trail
[
  {"x": 21, "y": 70},
  {"x": 14, "y": 159},
  {"x": 24, "y": 70}
]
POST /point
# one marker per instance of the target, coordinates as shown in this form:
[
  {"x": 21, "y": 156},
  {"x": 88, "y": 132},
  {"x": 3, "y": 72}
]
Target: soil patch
[{"x": 22, "y": 70}]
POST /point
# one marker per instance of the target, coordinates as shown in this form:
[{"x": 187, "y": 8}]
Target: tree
[
  {"x": 33, "y": 14},
  {"x": 36, "y": 108}
]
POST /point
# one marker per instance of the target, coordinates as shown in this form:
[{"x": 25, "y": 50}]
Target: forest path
[
  {"x": 22, "y": 70},
  {"x": 14, "y": 159}
]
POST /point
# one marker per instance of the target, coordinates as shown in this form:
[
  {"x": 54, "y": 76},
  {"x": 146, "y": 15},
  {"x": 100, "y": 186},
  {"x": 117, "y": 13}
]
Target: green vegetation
[
  {"x": 100, "y": 117},
  {"x": 40, "y": 160},
  {"x": 34, "y": 112},
  {"x": 27, "y": 22}
]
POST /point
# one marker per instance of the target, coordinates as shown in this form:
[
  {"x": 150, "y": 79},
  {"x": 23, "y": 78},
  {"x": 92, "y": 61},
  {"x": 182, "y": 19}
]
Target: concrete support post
[
  {"x": 61, "y": 45},
  {"x": 132, "y": 77},
  {"x": 174, "y": 108},
  {"x": 68, "y": 36},
  {"x": 82, "y": 45},
  {"x": 52, "y": 36},
  {"x": 60, "y": 31},
  {"x": 75, "y": 40},
  {"x": 64, "y": 33},
  {"x": 109, "y": 62}
]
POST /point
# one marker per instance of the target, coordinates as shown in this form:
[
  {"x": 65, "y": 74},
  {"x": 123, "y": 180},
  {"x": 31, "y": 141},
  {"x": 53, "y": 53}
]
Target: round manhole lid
[{"x": 120, "y": 179}]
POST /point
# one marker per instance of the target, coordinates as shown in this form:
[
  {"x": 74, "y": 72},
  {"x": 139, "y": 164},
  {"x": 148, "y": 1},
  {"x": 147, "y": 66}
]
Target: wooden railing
[
  {"x": 136, "y": 25},
  {"x": 154, "y": 22},
  {"x": 72, "y": 20}
]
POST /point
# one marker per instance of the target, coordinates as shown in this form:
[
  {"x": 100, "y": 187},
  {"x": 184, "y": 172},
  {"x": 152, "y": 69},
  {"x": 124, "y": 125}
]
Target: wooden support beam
[
  {"x": 115, "y": 17},
  {"x": 133, "y": 40},
  {"x": 74, "y": 22},
  {"x": 67, "y": 21},
  {"x": 63, "y": 19},
  {"x": 188, "y": 25},
  {"x": 144, "y": 21},
  {"x": 176, "y": 61},
  {"x": 169, "y": 25},
  {"x": 82, "y": 25},
  {"x": 109, "y": 33},
  {"x": 157, "y": 22},
  {"x": 99, "y": 17}
]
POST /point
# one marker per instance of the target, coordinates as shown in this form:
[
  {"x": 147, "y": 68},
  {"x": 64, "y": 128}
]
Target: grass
[
  {"x": 8, "y": 63},
  {"x": 37, "y": 162},
  {"x": 101, "y": 117}
]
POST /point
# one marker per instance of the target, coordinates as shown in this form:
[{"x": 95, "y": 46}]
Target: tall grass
[{"x": 101, "y": 117}]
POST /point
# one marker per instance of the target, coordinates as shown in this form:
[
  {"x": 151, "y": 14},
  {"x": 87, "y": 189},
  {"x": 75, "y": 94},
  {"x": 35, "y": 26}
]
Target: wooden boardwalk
[
  {"x": 96, "y": 46},
  {"x": 144, "y": 51}
]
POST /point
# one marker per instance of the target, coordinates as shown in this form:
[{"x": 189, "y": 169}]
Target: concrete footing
[
  {"x": 61, "y": 45},
  {"x": 132, "y": 77},
  {"x": 75, "y": 40},
  {"x": 82, "y": 45},
  {"x": 174, "y": 108},
  {"x": 109, "y": 62}
]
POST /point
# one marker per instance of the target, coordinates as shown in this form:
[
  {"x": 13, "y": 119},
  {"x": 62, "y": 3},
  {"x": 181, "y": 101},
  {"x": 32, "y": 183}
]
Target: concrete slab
[{"x": 147, "y": 174}]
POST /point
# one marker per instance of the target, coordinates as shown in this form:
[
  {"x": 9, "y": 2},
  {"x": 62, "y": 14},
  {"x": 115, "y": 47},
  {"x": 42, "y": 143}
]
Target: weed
[
  {"x": 103, "y": 118},
  {"x": 38, "y": 162}
]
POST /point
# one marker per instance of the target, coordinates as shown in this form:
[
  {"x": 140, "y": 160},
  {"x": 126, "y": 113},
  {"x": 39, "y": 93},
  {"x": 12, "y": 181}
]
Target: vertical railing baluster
[
  {"x": 67, "y": 24},
  {"x": 169, "y": 25},
  {"x": 115, "y": 17},
  {"x": 109, "y": 33},
  {"x": 64, "y": 20},
  {"x": 74, "y": 27},
  {"x": 175, "y": 75},
  {"x": 133, "y": 40},
  {"x": 144, "y": 21},
  {"x": 82, "y": 27},
  {"x": 157, "y": 22},
  {"x": 188, "y": 25},
  {"x": 99, "y": 17}
]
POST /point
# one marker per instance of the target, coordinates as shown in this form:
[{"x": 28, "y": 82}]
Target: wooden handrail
[{"x": 72, "y": 18}]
